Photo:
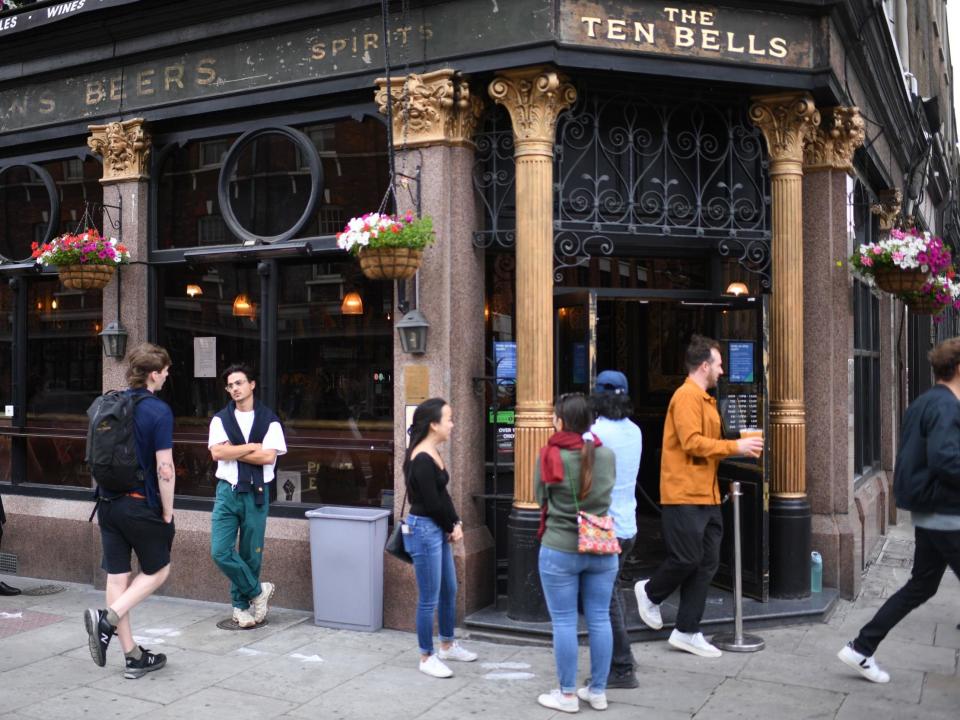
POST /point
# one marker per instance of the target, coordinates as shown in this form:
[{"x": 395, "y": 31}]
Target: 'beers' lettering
[
  {"x": 173, "y": 74},
  {"x": 206, "y": 74}
]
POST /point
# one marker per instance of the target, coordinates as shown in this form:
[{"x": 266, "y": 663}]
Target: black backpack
[{"x": 112, "y": 443}]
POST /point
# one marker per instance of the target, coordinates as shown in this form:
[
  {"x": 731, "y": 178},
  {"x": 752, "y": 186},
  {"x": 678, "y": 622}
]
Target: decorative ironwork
[{"x": 493, "y": 178}]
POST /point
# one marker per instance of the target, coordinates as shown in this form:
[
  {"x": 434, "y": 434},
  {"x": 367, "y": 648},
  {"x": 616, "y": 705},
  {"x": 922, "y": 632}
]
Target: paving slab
[
  {"x": 736, "y": 698},
  {"x": 90, "y": 702},
  {"x": 214, "y": 703}
]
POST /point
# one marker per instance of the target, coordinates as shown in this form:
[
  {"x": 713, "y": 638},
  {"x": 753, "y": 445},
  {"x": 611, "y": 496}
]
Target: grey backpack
[{"x": 112, "y": 443}]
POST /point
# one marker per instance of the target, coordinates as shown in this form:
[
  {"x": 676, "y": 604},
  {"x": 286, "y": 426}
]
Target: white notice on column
[{"x": 204, "y": 357}]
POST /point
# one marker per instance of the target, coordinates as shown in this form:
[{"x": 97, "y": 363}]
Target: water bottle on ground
[{"x": 816, "y": 572}]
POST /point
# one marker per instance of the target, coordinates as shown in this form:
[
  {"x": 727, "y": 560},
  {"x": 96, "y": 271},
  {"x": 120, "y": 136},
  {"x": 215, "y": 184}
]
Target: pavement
[{"x": 291, "y": 668}]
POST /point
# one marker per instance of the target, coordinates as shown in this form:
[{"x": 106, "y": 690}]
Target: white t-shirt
[{"x": 273, "y": 440}]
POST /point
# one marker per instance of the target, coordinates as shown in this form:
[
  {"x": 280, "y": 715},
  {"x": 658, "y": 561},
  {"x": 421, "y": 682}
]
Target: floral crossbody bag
[{"x": 595, "y": 533}]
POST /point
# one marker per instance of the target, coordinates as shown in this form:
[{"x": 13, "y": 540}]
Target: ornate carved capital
[
  {"x": 786, "y": 121},
  {"x": 888, "y": 208},
  {"x": 436, "y": 108},
  {"x": 125, "y": 148},
  {"x": 831, "y": 146},
  {"x": 534, "y": 97}
]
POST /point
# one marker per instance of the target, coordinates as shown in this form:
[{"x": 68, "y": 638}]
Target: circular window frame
[
  {"x": 48, "y": 182},
  {"x": 230, "y": 160}
]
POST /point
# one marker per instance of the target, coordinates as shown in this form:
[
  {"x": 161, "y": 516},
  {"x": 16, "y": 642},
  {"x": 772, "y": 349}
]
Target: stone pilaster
[{"x": 125, "y": 149}]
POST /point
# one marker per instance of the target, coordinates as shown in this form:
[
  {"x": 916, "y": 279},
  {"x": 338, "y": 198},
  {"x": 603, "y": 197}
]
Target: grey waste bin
[{"x": 346, "y": 560}]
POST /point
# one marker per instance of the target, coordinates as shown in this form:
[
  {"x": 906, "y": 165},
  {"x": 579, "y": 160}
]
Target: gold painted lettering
[
  {"x": 18, "y": 105},
  {"x": 426, "y": 31},
  {"x": 731, "y": 45},
  {"x": 403, "y": 33},
  {"x": 706, "y": 17},
  {"x": 684, "y": 36},
  {"x": 615, "y": 29},
  {"x": 778, "y": 47},
  {"x": 318, "y": 51},
  {"x": 670, "y": 13},
  {"x": 370, "y": 41},
  {"x": 645, "y": 30},
  {"x": 338, "y": 45},
  {"x": 592, "y": 23},
  {"x": 752, "y": 42},
  {"x": 116, "y": 88},
  {"x": 688, "y": 16},
  {"x": 710, "y": 39},
  {"x": 173, "y": 74},
  {"x": 47, "y": 102},
  {"x": 95, "y": 92},
  {"x": 145, "y": 82},
  {"x": 207, "y": 71},
  {"x": 354, "y": 44}
]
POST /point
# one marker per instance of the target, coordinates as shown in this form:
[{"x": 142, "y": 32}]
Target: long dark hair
[
  {"x": 574, "y": 410},
  {"x": 428, "y": 412}
]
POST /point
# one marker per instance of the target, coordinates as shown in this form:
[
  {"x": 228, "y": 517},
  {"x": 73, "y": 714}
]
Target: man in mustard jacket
[{"x": 693, "y": 446}]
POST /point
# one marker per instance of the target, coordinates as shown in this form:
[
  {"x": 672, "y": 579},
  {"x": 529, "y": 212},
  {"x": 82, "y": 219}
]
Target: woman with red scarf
[{"x": 574, "y": 462}]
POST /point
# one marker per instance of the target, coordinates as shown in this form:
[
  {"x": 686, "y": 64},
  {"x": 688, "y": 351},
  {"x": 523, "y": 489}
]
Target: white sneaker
[
  {"x": 556, "y": 700},
  {"x": 434, "y": 668},
  {"x": 259, "y": 603},
  {"x": 694, "y": 643},
  {"x": 864, "y": 665},
  {"x": 598, "y": 701},
  {"x": 243, "y": 618},
  {"x": 649, "y": 611},
  {"x": 457, "y": 652}
]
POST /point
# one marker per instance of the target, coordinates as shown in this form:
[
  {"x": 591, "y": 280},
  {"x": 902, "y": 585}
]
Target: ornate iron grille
[{"x": 493, "y": 179}]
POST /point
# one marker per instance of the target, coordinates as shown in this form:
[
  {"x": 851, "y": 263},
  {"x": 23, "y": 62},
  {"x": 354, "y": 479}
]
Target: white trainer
[
  {"x": 556, "y": 700},
  {"x": 457, "y": 652},
  {"x": 694, "y": 643},
  {"x": 649, "y": 611},
  {"x": 243, "y": 618},
  {"x": 864, "y": 665},
  {"x": 598, "y": 701},
  {"x": 434, "y": 668},
  {"x": 259, "y": 603}
]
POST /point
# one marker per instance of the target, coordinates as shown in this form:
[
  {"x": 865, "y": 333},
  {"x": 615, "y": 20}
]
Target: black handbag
[{"x": 394, "y": 544}]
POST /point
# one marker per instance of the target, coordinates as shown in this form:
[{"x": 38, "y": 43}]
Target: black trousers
[
  {"x": 622, "y": 662},
  {"x": 692, "y": 534},
  {"x": 935, "y": 550}
]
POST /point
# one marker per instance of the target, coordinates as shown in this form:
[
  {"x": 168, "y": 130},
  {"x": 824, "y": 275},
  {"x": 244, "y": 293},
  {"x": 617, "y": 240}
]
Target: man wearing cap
[{"x": 612, "y": 406}]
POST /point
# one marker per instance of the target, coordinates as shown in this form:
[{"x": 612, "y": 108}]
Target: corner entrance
[{"x": 643, "y": 334}]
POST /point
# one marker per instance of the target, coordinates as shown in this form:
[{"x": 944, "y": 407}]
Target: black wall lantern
[
  {"x": 413, "y": 332},
  {"x": 114, "y": 339}
]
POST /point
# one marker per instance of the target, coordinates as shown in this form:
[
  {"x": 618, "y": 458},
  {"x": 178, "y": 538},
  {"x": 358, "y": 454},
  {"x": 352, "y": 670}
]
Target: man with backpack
[
  {"x": 245, "y": 440},
  {"x": 926, "y": 481},
  {"x": 130, "y": 453}
]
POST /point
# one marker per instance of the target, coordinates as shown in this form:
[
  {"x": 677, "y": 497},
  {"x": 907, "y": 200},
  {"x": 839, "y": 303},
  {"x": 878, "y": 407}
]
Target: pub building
[{"x": 605, "y": 179}]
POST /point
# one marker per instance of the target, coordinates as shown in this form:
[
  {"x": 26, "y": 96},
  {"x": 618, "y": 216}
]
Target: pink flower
[
  {"x": 868, "y": 261},
  {"x": 876, "y": 250}
]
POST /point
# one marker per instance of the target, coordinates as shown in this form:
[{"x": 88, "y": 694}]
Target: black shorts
[{"x": 128, "y": 523}]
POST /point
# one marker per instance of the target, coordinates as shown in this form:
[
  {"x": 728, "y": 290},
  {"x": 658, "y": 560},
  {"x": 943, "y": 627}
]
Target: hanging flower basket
[
  {"x": 86, "y": 277},
  {"x": 900, "y": 282},
  {"x": 937, "y": 295},
  {"x": 902, "y": 263},
  {"x": 388, "y": 247},
  {"x": 922, "y": 305}
]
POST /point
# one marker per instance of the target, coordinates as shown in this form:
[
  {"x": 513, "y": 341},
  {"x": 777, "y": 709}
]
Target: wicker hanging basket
[
  {"x": 390, "y": 263},
  {"x": 900, "y": 282},
  {"x": 924, "y": 305},
  {"x": 86, "y": 277}
]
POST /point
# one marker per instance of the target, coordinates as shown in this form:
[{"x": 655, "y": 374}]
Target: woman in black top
[{"x": 432, "y": 525}]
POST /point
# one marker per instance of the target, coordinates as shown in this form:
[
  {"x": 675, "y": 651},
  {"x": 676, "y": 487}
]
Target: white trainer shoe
[
  {"x": 598, "y": 701},
  {"x": 434, "y": 668},
  {"x": 556, "y": 700},
  {"x": 243, "y": 618},
  {"x": 457, "y": 652},
  {"x": 649, "y": 611},
  {"x": 259, "y": 603},
  {"x": 864, "y": 665},
  {"x": 694, "y": 643}
]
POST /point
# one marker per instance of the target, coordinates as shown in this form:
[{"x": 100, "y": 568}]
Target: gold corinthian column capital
[
  {"x": 786, "y": 121},
  {"x": 534, "y": 97},
  {"x": 832, "y": 144},
  {"x": 125, "y": 148},
  {"x": 434, "y": 108}
]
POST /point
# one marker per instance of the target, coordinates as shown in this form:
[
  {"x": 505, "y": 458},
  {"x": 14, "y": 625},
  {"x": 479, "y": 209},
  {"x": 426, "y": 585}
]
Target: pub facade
[{"x": 605, "y": 179}]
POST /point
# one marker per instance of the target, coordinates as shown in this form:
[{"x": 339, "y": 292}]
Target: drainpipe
[{"x": 903, "y": 36}]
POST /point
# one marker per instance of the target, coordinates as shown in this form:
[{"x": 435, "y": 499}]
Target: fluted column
[
  {"x": 534, "y": 97},
  {"x": 786, "y": 121}
]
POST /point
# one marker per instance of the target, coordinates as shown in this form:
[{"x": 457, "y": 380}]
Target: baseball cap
[{"x": 612, "y": 381}]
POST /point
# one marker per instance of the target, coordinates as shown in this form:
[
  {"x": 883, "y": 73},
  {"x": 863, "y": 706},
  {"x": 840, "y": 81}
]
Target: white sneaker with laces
[
  {"x": 457, "y": 652},
  {"x": 556, "y": 700},
  {"x": 598, "y": 701},
  {"x": 434, "y": 668},
  {"x": 259, "y": 604},
  {"x": 243, "y": 618},
  {"x": 649, "y": 611},
  {"x": 864, "y": 665},
  {"x": 694, "y": 643}
]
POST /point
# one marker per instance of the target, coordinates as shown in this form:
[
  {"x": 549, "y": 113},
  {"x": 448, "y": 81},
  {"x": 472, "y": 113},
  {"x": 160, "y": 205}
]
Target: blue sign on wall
[
  {"x": 741, "y": 362},
  {"x": 505, "y": 357}
]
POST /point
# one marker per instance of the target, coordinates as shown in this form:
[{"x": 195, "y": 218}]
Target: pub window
[
  {"x": 211, "y": 230},
  {"x": 866, "y": 381},
  {"x": 212, "y": 152},
  {"x": 73, "y": 169}
]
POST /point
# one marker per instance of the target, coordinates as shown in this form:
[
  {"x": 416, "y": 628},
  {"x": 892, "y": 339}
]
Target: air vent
[{"x": 8, "y": 563}]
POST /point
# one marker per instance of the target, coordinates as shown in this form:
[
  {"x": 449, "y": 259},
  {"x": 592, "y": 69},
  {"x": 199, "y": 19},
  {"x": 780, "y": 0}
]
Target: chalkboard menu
[{"x": 741, "y": 410}]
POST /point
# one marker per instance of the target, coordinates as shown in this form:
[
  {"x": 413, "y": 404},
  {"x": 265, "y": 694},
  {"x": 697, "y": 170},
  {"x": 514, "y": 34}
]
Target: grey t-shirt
[{"x": 936, "y": 521}]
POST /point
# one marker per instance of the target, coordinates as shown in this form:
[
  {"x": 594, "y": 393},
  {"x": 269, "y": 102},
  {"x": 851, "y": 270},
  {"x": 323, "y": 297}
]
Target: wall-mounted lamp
[
  {"x": 194, "y": 290},
  {"x": 413, "y": 332},
  {"x": 737, "y": 289},
  {"x": 242, "y": 307},
  {"x": 352, "y": 304},
  {"x": 114, "y": 339}
]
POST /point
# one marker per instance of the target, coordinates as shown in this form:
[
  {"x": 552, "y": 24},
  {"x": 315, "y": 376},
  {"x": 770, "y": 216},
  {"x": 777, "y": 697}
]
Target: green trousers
[{"x": 236, "y": 516}]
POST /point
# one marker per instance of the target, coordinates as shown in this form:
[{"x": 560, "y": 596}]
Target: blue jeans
[
  {"x": 564, "y": 576},
  {"x": 436, "y": 579}
]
